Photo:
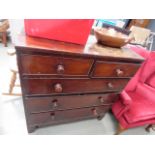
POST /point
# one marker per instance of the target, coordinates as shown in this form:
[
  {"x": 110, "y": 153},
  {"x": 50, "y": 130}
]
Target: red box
[{"x": 68, "y": 30}]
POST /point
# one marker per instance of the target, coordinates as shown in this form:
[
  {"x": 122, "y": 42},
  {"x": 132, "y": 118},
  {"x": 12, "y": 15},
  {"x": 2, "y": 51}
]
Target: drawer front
[
  {"x": 55, "y": 65},
  {"x": 44, "y": 104},
  {"x": 67, "y": 115},
  {"x": 67, "y": 86},
  {"x": 107, "y": 69}
]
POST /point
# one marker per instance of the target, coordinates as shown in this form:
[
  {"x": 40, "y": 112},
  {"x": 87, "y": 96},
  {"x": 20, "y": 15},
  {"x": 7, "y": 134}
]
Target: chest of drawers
[{"x": 64, "y": 82}]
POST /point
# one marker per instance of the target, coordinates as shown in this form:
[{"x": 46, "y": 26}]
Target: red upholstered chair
[{"x": 136, "y": 105}]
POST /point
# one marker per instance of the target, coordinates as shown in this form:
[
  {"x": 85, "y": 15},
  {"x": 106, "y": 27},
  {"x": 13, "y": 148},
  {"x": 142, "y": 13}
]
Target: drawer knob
[
  {"x": 52, "y": 115},
  {"x": 101, "y": 99},
  {"x": 110, "y": 85},
  {"x": 55, "y": 103},
  {"x": 58, "y": 88},
  {"x": 95, "y": 113},
  {"x": 119, "y": 72},
  {"x": 60, "y": 69}
]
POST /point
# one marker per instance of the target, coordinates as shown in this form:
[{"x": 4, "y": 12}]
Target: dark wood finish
[
  {"x": 53, "y": 103},
  {"x": 114, "y": 69},
  {"x": 67, "y": 115},
  {"x": 69, "y": 86},
  {"x": 57, "y": 65},
  {"x": 32, "y": 45},
  {"x": 64, "y": 82}
]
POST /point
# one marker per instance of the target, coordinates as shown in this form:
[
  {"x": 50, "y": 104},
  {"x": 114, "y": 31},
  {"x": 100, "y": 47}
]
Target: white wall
[{"x": 16, "y": 27}]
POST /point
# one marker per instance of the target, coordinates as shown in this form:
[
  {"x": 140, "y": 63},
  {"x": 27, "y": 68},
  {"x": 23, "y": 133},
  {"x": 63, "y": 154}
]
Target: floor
[{"x": 12, "y": 118}]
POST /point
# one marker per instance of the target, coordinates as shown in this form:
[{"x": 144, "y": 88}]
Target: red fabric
[
  {"x": 140, "y": 50},
  {"x": 142, "y": 106},
  {"x": 122, "y": 106},
  {"x": 151, "y": 80},
  {"x": 149, "y": 67},
  {"x": 126, "y": 98},
  {"x": 141, "y": 92},
  {"x": 145, "y": 54}
]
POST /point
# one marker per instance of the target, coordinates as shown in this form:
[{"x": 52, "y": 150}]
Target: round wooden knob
[
  {"x": 110, "y": 85},
  {"x": 58, "y": 88},
  {"x": 95, "y": 113},
  {"x": 52, "y": 115},
  {"x": 60, "y": 69},
  {"x": 55, "y": 103},
  {"x": 119, "y": 72},
  {"x": 101, "y": 99}
]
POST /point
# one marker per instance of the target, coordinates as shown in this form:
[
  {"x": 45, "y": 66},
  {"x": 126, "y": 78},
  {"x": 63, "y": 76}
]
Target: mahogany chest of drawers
[{"x": 63, "y": 82}]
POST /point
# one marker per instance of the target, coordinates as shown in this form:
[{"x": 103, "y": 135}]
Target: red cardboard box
[{"x": 68, "y": 30}]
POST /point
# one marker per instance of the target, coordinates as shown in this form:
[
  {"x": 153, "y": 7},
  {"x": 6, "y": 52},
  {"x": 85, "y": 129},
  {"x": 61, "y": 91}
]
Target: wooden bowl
[{"x": 111, "y": 37}]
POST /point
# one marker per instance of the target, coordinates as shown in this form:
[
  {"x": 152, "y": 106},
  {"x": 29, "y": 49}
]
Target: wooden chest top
[{"x": 91, "y": 49}]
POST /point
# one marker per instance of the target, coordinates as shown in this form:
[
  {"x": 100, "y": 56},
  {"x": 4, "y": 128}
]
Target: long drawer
[
  {"x": 114, "y": 69},
  {"x": 44, "y": 104},
  {"x": 67, "y": 86},
  {"x": 67, "y": 115},
  {"x": 55, "y": 65}
]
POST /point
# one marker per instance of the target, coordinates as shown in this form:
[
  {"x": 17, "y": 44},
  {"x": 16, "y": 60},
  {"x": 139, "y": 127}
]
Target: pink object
[
  {"x": 68, "y": 30},
  {"x": 136, "y": 105}
]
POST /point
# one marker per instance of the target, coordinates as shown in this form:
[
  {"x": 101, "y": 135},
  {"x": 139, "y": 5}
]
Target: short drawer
[
  {"x": 67, "y": 86},
  {"x": 55, "y": 65},
  {"x": 44, "y": 104},
  {"x": 114, "y": 69},
  {"x": 67, "y": 115}
]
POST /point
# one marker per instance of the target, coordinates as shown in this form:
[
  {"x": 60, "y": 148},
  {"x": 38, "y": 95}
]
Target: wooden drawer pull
[
  {"x": 54, "y": 103},
  {"x": 119, "y": 72},
  {"x": 60, "y": 69},
  {"x": 110, "y": 85},
  {"x": 58, "y": 88},
  {"x": 52, "y": 115},
  {"x": 95, "y": 113},
  {"x": 101, "y": 99}
]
